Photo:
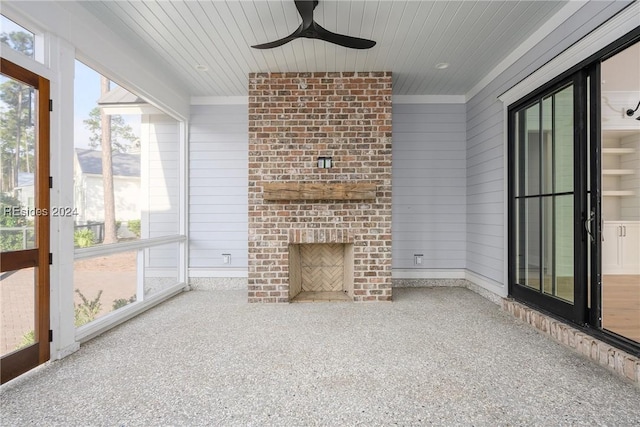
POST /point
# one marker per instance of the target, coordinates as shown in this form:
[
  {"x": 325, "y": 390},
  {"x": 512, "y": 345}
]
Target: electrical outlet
[
  {"x": 226, "y": 258},
  {"x": 417, "y": 259}
]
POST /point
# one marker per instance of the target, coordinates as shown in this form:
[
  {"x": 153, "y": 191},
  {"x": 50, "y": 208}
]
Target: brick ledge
[{"x": 616, "y": 360}]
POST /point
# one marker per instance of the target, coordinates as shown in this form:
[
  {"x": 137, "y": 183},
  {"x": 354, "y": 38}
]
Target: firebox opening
[{"x": 320, "y": 272}]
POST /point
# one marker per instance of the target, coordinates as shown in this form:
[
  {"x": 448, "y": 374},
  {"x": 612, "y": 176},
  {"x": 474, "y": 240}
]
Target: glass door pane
[
  {"x": 563, "y": 138},
  {"x": 544, "y": 208},
  {"x": 563, "y": 248},
  {"x": 532, "y": 245},
  {"x": 620, "y": 181}
]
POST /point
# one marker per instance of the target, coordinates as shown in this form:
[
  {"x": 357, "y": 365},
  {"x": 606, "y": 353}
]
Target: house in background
[
  {"x": 493, "y": 118},
  {"x": 24, "y": 191},
  {"x": 89, "y": 189}
]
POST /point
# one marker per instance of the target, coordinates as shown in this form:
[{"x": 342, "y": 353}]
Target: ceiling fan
[{"x": 312, "y": 30}]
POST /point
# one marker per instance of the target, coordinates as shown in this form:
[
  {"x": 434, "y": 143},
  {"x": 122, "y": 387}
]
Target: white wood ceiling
[{"x": 412, "y": 37}]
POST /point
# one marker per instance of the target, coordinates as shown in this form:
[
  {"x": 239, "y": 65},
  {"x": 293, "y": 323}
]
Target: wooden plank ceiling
[{"x": 412, "y": 37}]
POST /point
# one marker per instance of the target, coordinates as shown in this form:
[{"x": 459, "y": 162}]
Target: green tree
[
  {"x": 112, "y": 134},
  {"x": 18, "y": 40},
  {"x": 122, "y": 137},
  {"x": 17, "y": 150},
  {"x": 10, "y": 241}
]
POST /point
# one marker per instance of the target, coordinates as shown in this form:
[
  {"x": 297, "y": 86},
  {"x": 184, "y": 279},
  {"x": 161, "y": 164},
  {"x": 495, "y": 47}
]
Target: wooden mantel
[{"x": 319, "y": 191}]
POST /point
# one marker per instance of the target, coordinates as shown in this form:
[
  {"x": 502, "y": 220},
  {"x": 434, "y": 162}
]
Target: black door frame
[
  {"x": 571, "y": 311},
  {"x": 588, "y": 199},
  {"x": 595, "y": 196}
]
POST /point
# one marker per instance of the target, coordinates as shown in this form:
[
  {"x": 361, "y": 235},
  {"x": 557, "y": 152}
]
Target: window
[
  {"x": 126, "y": 197},
  {"x": 16, "y": 37},
  {"x": 106, "y": 180}
]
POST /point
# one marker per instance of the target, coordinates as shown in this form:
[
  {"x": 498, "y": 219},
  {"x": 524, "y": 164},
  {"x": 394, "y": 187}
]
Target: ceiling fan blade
[
  {"x": 305, "y": 9},
  {"x": 273, "y": 44},
  {"x": 312, "y": 30},
  {"x": 341, "y": 39},
  {"x": 281, "y": 41}
]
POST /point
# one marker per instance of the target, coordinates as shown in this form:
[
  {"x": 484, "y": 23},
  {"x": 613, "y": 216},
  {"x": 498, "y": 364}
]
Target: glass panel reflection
[
  {"x": 532, "y": 247},
  {"x": 521, "y": 241},
  {"x": 546, "y": 145},
  {"x": 532, "y": 150},
  {"x": 563, "y": 140},
  {"x": 564, "y": 253},
  {"x": 548, "y": 245}
]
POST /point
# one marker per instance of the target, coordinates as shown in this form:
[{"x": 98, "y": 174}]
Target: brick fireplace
[{"x": 303, "y": 217}]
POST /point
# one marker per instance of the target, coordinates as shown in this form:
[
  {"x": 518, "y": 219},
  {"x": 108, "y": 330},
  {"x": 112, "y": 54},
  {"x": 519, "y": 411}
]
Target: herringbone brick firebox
[{"x": 295, "y": 118}]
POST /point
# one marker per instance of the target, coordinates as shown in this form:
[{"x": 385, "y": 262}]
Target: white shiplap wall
[
  {"x": 485, "y": 143},
  {"x": 429, "y": 185},
  {"x": 218, "y": 182},
  {"x": 160, "y": 155}
]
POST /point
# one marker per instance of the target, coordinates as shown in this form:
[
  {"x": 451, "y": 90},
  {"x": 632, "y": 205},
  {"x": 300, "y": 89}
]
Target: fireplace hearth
[{"x": 321, "y": 272}]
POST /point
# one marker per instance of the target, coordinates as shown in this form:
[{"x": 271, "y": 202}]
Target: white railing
[
  {"x": 134, "y": 245},
  {"x": 144, "y": 299}
]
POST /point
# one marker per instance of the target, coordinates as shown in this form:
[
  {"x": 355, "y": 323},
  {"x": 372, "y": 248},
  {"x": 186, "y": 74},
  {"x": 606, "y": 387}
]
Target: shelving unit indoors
[
  {"x": 620, "y": 173},
  {"x": 621, "y": 201}
]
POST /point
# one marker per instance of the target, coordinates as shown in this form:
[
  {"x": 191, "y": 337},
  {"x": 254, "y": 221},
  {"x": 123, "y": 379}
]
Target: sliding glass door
[
  {"x": 544, "y": 207},
  {"x": 574, "y": 196}
]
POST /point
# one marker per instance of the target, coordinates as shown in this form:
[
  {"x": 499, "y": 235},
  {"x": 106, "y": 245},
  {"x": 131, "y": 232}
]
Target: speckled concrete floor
[{"x": 441, "y": 356}]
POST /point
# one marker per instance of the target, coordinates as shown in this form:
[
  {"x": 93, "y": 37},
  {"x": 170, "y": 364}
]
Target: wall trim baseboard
[
  {"x": 64, "y": 352},
  {"x": 500, "y": 289},
  {"x": 428, "y": 273},
  {"x": 479, "y": 281},
  {"x": 228, "y": 279},
  {"x": 218, "y": 272}
]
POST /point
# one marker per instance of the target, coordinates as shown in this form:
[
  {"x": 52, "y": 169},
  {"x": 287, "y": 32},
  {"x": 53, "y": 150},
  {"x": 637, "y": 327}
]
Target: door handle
[
  {"x": 624, "y": 232},
  {"x": 587, "y": 225}
]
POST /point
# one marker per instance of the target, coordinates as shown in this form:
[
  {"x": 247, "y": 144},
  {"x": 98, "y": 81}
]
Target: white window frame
[{"x": 114, "y": 318}]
